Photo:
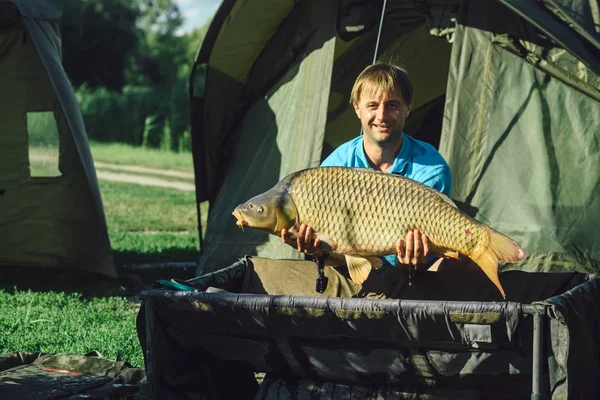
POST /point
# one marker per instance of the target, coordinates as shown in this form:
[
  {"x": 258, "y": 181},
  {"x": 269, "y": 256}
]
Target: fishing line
[
  {"x": 377, "y": 41},
  {"x": 379, "y": 32}
]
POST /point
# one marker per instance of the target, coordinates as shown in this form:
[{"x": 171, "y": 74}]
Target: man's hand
[
  {"x": 414, "y": 249},
  {"x": 305, "y": 242}
]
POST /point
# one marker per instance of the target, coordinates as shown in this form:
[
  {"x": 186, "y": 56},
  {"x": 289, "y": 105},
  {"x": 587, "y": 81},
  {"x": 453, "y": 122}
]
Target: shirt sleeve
[
  {"x": 338, "y": 158},
  {"x": 439, "y": 178}
]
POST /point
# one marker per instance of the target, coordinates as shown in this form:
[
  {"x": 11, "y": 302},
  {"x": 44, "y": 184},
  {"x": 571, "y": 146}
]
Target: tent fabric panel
[
  {"x": 555, "y": 62},
  {"x": 62, "y": 233},
  {"x": 539, "y": 16},
  {"x": 46, "y": 39},
  {"x": 69, "y": 229},
  {"x": 38, "y": 9},
  {"x": 280, "y": 133},
  {"x": 255, "y": 24},
  {"x": 537, "y": 124},
  {"x": 249, "y": 26},
  {"x": 581, "y": 16},
  {"x": 29, "y": 91}
]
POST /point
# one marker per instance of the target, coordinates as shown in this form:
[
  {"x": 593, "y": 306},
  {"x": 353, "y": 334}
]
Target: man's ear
[
  {"x": 408, "y": 109},
  {"x": 356, "y": 110}
]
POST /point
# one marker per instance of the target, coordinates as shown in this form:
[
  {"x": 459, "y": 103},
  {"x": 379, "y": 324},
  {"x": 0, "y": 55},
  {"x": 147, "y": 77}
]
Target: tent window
[{"x": 44, "y": 144}]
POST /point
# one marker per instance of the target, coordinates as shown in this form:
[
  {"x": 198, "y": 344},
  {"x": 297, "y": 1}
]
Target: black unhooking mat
[{"x": 34, "y": 375}]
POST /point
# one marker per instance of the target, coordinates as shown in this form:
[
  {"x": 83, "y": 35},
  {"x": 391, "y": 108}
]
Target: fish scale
[{"x": 365, "y": 212}]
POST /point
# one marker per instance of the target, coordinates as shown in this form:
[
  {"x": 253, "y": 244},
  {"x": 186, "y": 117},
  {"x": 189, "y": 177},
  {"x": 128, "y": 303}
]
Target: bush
[{"x": 139, "y": 115}]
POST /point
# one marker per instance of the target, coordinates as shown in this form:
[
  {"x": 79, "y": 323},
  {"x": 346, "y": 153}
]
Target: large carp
[{"x": 361, "y": 213}]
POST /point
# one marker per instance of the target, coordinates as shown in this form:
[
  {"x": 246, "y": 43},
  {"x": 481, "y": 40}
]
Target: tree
[
  {"x": 161, "y": 53},
  {"x": 111, "y": 43},
  {"x": 98, "y": 37}
]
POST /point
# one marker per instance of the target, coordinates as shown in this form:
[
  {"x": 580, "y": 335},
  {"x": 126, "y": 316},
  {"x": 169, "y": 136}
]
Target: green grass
[
  {"x": 136, "y": 208},
  {"x": 52, "y": 322},
  {"x": 74, "y": 312},
  {"x": 149, "y": 224},
  {"x": 125, "y": 154},
  {"x": 162, "y": 247}
]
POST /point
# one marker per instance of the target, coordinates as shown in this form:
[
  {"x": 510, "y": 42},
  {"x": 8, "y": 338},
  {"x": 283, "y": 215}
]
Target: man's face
[{"x": 382, "y": 115}]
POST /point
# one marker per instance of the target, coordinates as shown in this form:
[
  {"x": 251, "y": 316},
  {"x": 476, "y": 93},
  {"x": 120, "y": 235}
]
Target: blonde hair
[{"x": 382, "y": 77}]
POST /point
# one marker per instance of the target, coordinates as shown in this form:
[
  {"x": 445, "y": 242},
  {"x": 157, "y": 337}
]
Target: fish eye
[{"x": 260, "y": 210}]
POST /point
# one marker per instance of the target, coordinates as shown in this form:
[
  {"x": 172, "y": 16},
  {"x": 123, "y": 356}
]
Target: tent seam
[{"x": 480, "y": 119}]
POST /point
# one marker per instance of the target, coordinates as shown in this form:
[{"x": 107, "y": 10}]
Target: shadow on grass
[{"x": 130, "y": 281}]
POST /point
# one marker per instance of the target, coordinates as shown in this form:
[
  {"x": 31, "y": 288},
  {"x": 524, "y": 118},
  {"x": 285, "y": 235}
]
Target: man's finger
[
  {"x": 308, "y": 239},
  {"x": 401, "y": 250},
  {"x": 300, "y": 240},
  {"x": 416, "y": 253},
  {"x": 425, "y": 241},
  {"x": 409, "y": 246}
]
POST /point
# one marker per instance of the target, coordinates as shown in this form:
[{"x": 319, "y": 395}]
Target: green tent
[
  {"x": 508, "y": 90},
  {"x": 51, "y": 212}
]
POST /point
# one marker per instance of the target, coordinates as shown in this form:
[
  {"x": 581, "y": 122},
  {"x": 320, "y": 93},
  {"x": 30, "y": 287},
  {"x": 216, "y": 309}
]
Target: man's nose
[{"x": 380, "y": 113}]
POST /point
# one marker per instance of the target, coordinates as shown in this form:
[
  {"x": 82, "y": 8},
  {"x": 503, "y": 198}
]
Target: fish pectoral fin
[
  {"x": 376, "y": 262},
  {"x": 327, "y": 243},
  {"x": 359, "y": 268},
  {"x": 442, "y": 252}
]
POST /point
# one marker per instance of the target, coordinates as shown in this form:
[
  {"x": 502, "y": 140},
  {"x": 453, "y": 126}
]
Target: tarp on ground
[
  {"x": 43, "y": 376},
  {"x": 508, "y": 90}
]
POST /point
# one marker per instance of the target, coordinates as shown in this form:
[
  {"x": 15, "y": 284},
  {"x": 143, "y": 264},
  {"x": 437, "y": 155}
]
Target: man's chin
[{"x": 385, "y": 137}]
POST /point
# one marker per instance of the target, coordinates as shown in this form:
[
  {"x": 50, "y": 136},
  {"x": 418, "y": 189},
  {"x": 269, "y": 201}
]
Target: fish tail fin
[{"x": 500, "y": 248}]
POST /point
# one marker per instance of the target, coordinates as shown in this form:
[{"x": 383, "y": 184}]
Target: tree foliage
[
  {"x": 129, "y": 66},
  {"x": 113, "y": 43},
  {"x": 98, "y": 37}
]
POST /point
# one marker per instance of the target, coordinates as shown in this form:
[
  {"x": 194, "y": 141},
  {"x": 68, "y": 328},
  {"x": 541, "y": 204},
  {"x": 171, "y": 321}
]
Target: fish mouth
[{"x": 241, "y": 221}]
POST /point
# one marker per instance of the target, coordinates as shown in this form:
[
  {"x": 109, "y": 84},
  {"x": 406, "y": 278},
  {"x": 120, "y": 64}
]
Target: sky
[{"x": 196, "y": 12}]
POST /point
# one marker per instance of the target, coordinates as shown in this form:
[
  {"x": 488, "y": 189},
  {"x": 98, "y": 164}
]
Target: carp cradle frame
[{"x": 327, "y": 303}]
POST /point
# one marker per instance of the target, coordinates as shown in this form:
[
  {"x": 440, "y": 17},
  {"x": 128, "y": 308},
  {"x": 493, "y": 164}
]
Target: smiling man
[{"x": 382, "y": 97}]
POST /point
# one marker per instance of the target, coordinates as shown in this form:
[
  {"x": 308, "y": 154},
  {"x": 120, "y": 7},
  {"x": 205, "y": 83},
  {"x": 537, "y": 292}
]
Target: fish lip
[{"x": 241, "y": 221}]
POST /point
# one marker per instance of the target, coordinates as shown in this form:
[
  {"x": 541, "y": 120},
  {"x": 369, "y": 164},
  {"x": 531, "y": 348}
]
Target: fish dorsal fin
[{"x": 360, "y": 267}]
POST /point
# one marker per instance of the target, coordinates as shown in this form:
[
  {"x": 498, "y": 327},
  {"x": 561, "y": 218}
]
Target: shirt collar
[{"x": 401, "y": 160}]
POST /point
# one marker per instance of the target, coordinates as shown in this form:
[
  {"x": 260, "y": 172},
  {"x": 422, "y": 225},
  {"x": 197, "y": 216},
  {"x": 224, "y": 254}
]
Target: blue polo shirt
[{"x": 416, "y": 160}]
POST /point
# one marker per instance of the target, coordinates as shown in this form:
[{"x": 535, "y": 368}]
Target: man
[{"x": 382, "y": 97}]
